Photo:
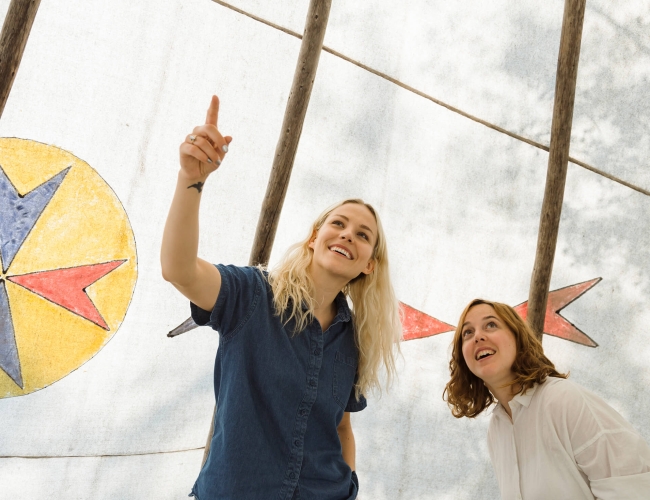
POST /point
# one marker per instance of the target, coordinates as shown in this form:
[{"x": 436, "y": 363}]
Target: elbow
[
  {"x": 166, "y": 271},
  {"x": 167, "y": 275},
  {"x": 171, "y": 275},
  {"x": 177, "y": 275},
  {"x": 344, "y": 430}
]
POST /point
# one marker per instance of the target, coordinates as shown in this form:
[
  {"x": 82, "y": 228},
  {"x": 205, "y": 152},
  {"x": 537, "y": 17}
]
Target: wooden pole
[
  {"x": 15, "y": 31},
  {"x": 285, "y": 151},
  {"x": 294, "y": 117},
  {"x": 565, "y": 87}
]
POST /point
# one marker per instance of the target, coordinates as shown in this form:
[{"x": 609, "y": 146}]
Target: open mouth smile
[
  {"x": 484, "y": 353},
  {"x": 342, "y": 251}
]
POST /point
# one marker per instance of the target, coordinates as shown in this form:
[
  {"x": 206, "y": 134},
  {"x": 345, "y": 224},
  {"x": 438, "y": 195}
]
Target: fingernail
[
  {"x": 209, "y": 160},
  {"x": 218, "y": 162},
  {"x": 225, "y": 148}
]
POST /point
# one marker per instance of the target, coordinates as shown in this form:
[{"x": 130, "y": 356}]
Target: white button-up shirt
[{"x": 566, "y": 443}]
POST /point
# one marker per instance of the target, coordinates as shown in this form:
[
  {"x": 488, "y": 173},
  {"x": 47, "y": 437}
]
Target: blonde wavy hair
[
  {"x": 375, "y": 309},
  {"x": 466, "y": 394}
]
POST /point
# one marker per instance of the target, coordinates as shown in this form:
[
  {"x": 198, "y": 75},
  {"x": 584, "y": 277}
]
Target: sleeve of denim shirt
[
  {"x": 354, "y": 405},
  {"x": 241, "y": 288}
]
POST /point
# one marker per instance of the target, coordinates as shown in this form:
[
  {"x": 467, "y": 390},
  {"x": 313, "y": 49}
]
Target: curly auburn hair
[{"x": 466, "y": 394}]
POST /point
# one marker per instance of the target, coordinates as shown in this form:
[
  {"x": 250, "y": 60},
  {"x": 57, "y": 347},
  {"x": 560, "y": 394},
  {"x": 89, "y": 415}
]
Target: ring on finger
[{"x": 192, "y": 138}]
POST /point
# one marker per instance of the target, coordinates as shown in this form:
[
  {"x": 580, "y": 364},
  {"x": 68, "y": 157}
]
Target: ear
[
  {"x": 370, "y": 267},
  {"x": 312, "y": 239}
]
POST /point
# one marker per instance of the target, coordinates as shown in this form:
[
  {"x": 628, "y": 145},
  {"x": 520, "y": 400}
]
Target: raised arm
[{"x": 200, "y": 154}]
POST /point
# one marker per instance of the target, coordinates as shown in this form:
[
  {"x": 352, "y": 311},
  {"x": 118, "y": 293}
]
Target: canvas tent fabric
[{"x": 119, "y": 86}]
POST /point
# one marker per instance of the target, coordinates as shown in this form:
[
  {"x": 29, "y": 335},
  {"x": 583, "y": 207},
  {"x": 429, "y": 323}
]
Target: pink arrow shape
[
  {"x": 67, "y": 287},
  {"x": 417, "y": 325},
  {"x": 554, "y": 323}
]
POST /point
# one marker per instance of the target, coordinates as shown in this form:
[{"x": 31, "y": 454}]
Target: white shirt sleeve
[{"x": 607, "y": 449}]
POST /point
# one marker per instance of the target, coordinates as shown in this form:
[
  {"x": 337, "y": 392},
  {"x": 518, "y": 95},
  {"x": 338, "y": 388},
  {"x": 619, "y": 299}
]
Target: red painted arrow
[
  {"x": 554, "y": 323},
  {"x": 67, "y": 287},
  {"x": 417, "y": 325}
]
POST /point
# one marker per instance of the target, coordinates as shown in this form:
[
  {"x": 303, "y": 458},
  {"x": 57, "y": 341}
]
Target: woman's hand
[{"x": 205, "y": 148}]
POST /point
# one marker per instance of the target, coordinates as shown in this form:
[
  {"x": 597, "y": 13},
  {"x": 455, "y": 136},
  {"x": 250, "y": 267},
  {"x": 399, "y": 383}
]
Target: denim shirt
[{"x": 280, "y": 397}]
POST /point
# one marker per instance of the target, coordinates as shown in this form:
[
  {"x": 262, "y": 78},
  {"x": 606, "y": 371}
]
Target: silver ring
[{"x": 192, "y": 139}]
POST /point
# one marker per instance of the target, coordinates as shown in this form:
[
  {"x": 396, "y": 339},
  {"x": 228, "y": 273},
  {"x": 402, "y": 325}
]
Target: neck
[
  {"x": 503, "y": 395},
  {"x": 326, "y": 288}
]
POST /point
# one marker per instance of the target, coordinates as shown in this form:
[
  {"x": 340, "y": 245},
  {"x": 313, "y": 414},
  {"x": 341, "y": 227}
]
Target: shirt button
[
  {"x": 317, "y": 351},
  {"x": 312, "y": 382},
  {"x": 304, "y": 411},
  {"x": 292, "y": 475},
  {"x": 297, "y": 443}
]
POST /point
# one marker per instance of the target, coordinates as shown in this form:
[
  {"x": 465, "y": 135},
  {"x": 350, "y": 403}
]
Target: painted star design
[
  {"x": 418, "y": 325},
  {"x": 63, "y": 287}
]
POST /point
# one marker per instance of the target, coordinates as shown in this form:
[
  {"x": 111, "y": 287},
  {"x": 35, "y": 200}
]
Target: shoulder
[
  {"x": 562, "y": 391},
  {"x": 557, "y": 385},
  {"x": 572, "y": 405},
  {"x": 560, "y": 399},
  {"x": 242, "y": 271},
  {"x": 555, "y": 390},
  {"x": 240, "y": 278}
]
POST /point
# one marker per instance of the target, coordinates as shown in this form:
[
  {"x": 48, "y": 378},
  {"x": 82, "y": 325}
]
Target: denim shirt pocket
[{"x": 345, "y": 371}]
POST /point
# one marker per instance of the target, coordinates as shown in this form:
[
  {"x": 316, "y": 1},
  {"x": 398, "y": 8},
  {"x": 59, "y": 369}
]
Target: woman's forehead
[
  {"x": 355, "y": 212},
  {"x": 479, "y": 312}
]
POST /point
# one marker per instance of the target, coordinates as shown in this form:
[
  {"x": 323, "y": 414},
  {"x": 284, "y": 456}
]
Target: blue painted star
[
  {"x": 19, "y": 214},
  {"x": 8, "y": 351}
]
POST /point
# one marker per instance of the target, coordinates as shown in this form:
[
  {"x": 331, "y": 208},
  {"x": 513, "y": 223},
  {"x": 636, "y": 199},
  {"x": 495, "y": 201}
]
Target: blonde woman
[
  {"x": 548, "y": 437},
  {"x": 293, "y": 360}
]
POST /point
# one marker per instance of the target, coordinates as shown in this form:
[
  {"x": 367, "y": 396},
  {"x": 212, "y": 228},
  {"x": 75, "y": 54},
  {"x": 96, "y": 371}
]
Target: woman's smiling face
[
  {"x": 489, "y": 346},
  {"x": 345, "y": 242}
]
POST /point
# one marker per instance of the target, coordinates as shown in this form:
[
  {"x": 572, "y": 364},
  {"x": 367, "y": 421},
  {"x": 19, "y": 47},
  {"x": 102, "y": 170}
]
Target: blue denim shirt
[{"x": 280, "y": 397}]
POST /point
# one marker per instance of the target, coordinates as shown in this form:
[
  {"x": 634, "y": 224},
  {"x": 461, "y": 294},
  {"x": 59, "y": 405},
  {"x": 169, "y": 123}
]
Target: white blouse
[{"x": 566, "y": 443}]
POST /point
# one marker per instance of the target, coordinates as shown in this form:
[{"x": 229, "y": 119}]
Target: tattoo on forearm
[{"x": 198, "y": 186}]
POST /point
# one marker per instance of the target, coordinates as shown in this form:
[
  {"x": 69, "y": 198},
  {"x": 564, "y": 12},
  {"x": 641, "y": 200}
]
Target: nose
[
  {"x": 345, "y": 235},
  {"x": 479, "y": 336}
]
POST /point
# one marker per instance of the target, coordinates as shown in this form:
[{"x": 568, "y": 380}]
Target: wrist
[
  {"x": 186, "y": 182},
  {"x": 184, "y": 178}
]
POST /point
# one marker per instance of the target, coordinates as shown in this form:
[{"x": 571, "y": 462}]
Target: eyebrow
[
  {"x": 363, "y": 226},
  {"x": 482, "y": 319}
]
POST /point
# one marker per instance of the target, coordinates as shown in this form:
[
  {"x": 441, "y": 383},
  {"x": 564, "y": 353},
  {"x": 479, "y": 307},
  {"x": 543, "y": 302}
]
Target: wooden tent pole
[
  {"x": 285, "y": 151},
  {"x": 294, "y": 117},
  {"x": 15, "y": 31},
  {"x": 565, "y": 87}
]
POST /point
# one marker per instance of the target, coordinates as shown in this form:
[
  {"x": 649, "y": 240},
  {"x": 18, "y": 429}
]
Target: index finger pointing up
[{"x": 213, "y": 111}]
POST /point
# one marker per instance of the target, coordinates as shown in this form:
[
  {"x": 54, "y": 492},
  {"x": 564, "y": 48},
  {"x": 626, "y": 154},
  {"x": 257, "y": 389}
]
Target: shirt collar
[
  {"x": 524, "y": 399},
  {"x": 342, "y": 308}
]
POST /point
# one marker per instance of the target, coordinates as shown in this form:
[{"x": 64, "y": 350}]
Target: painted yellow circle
[{"x": 83, "y": 224}]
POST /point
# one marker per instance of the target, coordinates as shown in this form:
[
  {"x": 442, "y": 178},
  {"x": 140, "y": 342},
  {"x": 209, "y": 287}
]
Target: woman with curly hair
[
  {"x": 293, "y": 359},
  {"x": 548, "y": 437}
]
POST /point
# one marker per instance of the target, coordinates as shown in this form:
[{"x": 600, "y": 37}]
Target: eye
[
  {"x": 466, "y": 333},
  {"x": 363, "y": 235},
  {"x": 491, "y": 324},
  {"x": 337, "y": 223}
]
